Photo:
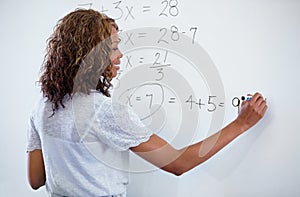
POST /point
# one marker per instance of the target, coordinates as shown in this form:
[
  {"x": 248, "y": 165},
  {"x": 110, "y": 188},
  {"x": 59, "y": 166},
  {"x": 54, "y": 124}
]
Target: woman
[{"x": 75, "y": 112}]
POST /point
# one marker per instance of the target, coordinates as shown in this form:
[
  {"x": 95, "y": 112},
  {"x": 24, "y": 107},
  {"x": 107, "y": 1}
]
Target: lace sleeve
[
  {"x": 34, "y": 141},
  {"x": 120, "y": 127}
]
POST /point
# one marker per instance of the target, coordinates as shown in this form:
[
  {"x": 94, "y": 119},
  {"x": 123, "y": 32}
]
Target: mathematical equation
[
  {"x": 127, "y": 12},
  {"x": 159, "y": 62},
  {"x": 167, "y": 35},
  {"x": 160, "y": 65},
  {"x": 210, "y": 105},
  {"x": 142, "y": 95},
  {"x": 168, "y": 8}
]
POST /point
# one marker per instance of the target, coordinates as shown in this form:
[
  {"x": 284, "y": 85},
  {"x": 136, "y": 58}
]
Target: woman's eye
[{"x": 115, "y": 49}]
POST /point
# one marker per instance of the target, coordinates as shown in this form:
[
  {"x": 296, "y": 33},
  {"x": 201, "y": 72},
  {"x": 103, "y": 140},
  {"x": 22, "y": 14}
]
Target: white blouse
[{"x": 86, "y": 144}]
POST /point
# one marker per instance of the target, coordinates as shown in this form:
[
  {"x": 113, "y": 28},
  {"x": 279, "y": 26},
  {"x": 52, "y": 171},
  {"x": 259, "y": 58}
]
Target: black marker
[{"x": 246, "y": 98}]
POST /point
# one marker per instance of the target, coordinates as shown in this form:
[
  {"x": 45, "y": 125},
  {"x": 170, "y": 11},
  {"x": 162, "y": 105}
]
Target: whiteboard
[{"x": 251, "y": 46}]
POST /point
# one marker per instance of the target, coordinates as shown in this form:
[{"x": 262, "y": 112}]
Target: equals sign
[
  {"x": 172, "y": 100},
  {"x": 141, "y": 60},
  {"x": 221, "y": 104},
  {"x": 146, "y": 8},
  {"x": 142, "y": 35},
  {"x": 138, "y": 98}
]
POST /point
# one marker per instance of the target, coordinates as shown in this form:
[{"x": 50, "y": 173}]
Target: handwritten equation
[
  {"x": 124, "y": 11},
  {"x": 159, "y": 62},
  {"x": 167, "y": 35},
  {"x": 152, "y": 96}
]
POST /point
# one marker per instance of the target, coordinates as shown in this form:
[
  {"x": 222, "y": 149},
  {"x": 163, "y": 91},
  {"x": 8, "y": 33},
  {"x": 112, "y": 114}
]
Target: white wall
[{"x": 255, "y": 47}]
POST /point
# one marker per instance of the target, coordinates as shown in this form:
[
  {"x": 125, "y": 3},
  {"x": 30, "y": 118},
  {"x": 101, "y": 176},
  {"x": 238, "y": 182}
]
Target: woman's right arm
[
  {"x": 36, "y": 169},
  {"x": 163, "y": 155}
]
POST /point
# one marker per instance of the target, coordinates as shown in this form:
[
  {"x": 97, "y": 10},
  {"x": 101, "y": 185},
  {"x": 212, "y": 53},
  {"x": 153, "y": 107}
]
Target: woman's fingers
[{"x": 252, "y": 110}]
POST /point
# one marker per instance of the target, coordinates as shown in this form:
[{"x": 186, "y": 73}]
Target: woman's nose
[{"x": 121, "y": 54}]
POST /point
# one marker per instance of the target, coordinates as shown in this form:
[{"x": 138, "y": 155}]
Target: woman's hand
[{"x": 251, "y": 112}]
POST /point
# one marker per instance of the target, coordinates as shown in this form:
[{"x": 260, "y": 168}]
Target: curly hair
[{"x": 77, "y": 56}]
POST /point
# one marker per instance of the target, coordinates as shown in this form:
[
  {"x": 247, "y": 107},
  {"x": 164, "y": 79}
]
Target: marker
[{"x": 247, "y": 98}]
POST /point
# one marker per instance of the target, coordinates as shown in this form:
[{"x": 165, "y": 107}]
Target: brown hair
[{"x": 78, "y": 56}]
